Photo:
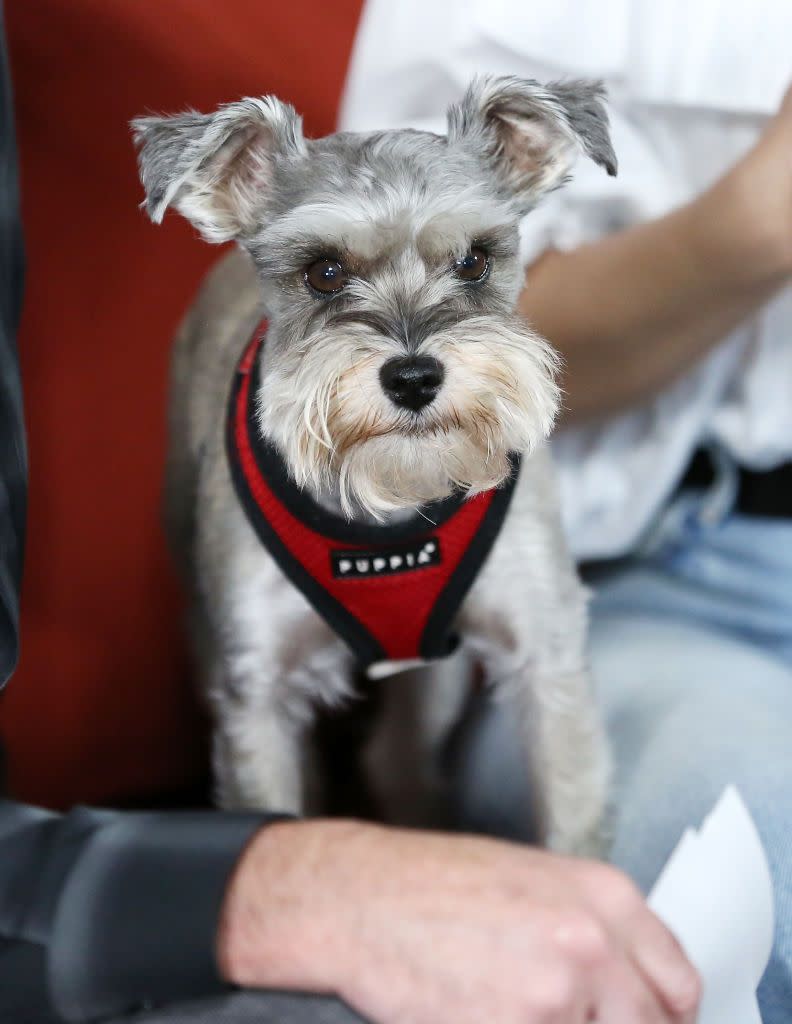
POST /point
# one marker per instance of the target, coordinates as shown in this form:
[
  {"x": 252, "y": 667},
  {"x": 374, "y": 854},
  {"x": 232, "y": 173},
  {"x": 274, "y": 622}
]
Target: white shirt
[{"x": 691, "y": 85}]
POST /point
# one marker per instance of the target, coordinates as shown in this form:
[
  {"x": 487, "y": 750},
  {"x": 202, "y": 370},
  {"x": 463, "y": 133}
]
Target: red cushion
[{"x": 101, "y": 707}]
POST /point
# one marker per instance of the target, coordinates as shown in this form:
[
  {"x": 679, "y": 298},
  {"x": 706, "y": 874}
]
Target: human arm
[
  {"x": 416, "y": 926},
  {"x": 634, "y": 310},
  {"x": 102, "y": 913}
]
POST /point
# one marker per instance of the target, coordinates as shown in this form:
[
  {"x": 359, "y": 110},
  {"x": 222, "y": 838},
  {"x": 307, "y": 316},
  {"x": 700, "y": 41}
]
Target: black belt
[{"x": 766, "y": 493}]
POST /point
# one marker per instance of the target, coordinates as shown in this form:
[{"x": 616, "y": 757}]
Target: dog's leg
[
  {"x": 263, "y": 715},
  {"x": 256, "y": 753},
  {"x": 566, "y": 752},
  {"x": 257, "y": 761},
  {"x": 266, "y": 659},
  {"x": 539, "y": 679},
  {"x": 262, "y": 695},
  {"x": 402, "y": 759},
  {"x": 527, "y": 617}
]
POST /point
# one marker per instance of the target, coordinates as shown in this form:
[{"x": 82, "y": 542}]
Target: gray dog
[{"x": 361, "y": 480}]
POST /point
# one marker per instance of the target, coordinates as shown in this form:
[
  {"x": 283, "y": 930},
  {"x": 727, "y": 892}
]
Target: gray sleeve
[{"x": 116, "y": 911}]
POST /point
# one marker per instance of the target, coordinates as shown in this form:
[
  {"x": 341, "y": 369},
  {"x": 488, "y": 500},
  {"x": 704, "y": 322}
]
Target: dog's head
[{"x": 395, "y": 369}]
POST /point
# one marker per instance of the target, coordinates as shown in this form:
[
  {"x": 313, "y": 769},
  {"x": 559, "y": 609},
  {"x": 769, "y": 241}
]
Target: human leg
[
  {"x": 251, "y": 1008},
  {"x": 690, "y": 710}
]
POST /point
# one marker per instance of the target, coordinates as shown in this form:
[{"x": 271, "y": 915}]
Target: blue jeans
[{"x": 691, "y": 647}]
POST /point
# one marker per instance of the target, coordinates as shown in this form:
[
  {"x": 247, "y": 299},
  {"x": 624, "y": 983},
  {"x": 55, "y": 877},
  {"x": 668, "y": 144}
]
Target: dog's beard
[{"x": 324, "y": 408}]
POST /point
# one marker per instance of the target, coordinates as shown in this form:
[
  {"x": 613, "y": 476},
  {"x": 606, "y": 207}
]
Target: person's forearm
[
  {"x": 421, "y": 926},
  {"x": 635, "y": 310}
]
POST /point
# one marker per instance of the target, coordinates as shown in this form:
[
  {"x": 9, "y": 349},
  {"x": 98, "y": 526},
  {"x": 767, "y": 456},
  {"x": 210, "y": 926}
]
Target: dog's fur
[{"x": 397, "y": 208}]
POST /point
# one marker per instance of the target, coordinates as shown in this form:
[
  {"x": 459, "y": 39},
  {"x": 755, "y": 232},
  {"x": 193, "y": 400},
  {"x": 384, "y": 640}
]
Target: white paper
[{"x": 716, "y": 895}]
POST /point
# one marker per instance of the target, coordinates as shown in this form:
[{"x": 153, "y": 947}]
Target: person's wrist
[{"x": 282, "y": 923}]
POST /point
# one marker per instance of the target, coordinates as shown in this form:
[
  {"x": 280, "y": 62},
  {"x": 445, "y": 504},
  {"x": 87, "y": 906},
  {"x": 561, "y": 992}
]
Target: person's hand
[{"x": 422, "y": 928}]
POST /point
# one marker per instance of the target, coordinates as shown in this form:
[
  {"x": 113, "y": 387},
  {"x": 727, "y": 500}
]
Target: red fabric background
[{"x": 101, "y": 707}]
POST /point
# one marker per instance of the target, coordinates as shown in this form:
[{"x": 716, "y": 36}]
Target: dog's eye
[
  {"x": 326, "y": 276},
  {"x": 474, "y": 265}
]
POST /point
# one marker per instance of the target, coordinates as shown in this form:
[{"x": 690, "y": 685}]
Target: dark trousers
[{"x": 251, "y": 1008}]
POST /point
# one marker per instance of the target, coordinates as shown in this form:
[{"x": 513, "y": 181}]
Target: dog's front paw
[
  {"x": 594, "y": 844},
  {"x": 594, "y": 841}
]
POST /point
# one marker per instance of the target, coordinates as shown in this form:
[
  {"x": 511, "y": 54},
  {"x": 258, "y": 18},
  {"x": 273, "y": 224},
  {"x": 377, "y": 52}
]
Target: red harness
[{"x": 390, "y": 591}]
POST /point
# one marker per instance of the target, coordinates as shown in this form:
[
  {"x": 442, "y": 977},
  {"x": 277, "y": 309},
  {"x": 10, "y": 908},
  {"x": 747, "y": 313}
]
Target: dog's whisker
[
  {"x": 428, "y": 519},
  {"x": 308, "y": 421}
]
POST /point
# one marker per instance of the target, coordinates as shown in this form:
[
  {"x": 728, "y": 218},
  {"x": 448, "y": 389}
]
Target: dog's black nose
[{"x": 412, "y": 381}]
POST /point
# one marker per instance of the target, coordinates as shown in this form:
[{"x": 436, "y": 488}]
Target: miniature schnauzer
[{"x": 358, "y": 475}]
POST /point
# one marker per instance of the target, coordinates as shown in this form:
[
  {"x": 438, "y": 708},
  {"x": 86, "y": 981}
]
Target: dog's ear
[
  {"x": 532, "y": 132},
  {"x": 216, "y": 168}
]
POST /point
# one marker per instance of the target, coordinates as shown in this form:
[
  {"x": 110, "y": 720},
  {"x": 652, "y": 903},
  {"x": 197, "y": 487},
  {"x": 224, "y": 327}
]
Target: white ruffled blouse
[{"x": 691, "y": 84}]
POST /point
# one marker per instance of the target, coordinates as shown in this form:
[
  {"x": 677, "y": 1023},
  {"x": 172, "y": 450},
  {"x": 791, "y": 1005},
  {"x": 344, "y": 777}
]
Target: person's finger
[
  {"x": 647, "y": 942},
  {"x": 627, "y": 997},
  {"x": 661, "y": 959}
]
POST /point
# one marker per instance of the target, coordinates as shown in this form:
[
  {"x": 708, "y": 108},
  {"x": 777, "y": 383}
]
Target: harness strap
[{"x": 390, "y": 591}]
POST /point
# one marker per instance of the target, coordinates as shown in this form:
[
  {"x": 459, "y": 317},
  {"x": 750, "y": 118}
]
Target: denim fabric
[{"x": 691, "y": 648}]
